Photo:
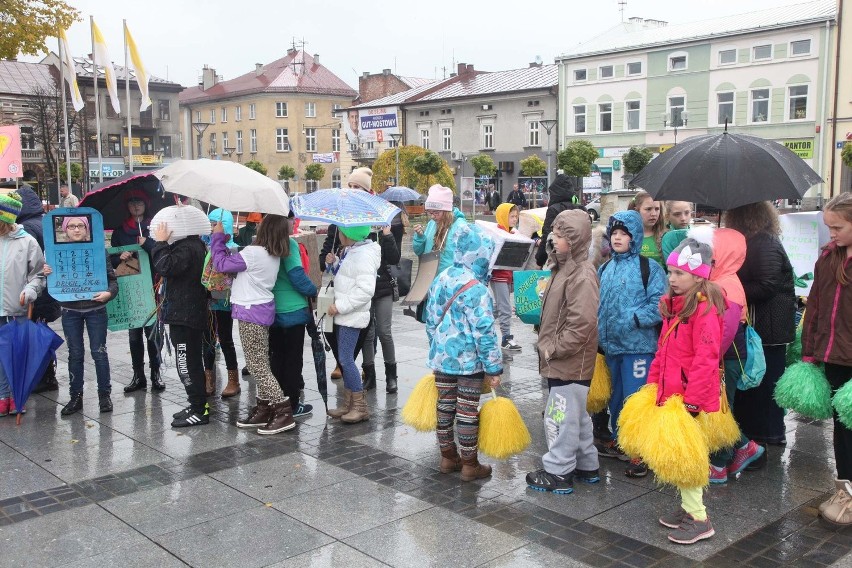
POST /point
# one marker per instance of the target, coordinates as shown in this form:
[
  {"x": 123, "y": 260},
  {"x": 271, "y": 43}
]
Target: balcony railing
[
  {"x": 365, "y": 154},
  {"x": 38, "y": 155}
]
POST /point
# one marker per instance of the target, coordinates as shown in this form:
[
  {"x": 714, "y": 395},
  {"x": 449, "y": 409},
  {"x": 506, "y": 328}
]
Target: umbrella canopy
[
  {"x": 183, "y": 221},
  {"x": 225, "y": 184},
  {"x": 726, "y": 171},
  {"x": 401, "y": 194},
  {"x": 344, "y": 207},
  {"x": 26, "y": 349},
  {"x": 109, "y": 197},
  {"x": 318, "y": 350}
]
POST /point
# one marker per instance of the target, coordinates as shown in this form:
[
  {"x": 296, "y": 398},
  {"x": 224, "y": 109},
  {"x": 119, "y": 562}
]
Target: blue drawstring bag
[{"x": 754, "y": 365}]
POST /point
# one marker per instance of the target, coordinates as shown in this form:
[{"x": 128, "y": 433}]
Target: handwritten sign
[
  {"x": 529, "y": 291},
  {"x": 803, "y": 235},
  {"x": 135, "y": 305},
  {"x": 79, "y": 266}
]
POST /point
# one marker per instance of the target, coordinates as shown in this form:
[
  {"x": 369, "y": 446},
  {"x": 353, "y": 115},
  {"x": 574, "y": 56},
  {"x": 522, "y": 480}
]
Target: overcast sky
[{"x": 177, "y": 37}]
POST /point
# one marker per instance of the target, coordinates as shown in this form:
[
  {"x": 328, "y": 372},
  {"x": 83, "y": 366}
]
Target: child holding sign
[{"x": 93, "y": 315}]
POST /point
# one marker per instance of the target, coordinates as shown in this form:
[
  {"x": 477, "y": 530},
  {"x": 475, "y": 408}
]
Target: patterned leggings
[
  {"x": 458, "y": 400},
  {"x": 255, "y": 340}
]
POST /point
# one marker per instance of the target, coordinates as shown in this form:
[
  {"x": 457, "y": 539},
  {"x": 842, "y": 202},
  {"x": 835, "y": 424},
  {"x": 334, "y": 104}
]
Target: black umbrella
[
  {"x": 318, "y": 348},
  {"x": 726, "y": 171},
  {"x": 108, "y": 197}
]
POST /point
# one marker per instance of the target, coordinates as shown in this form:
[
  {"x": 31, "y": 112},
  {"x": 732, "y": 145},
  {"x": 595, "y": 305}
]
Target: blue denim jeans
[{"x": 96, "y": 324}]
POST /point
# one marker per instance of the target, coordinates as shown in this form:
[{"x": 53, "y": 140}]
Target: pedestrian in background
[
  {"x": 516, "y": 198},
  {"x": 66, "y": 198},
  {"x": 563, "y": 196},
  {"x": 501, "y": 282}
]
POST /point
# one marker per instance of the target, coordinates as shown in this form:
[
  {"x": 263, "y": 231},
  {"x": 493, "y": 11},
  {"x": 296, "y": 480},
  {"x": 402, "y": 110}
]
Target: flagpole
[
  {"x": 97, "y": 106},
  {"x": 62, "y": 86},
  {"x": 65, "y": 125},
  {"x": 129, "y": 110}
]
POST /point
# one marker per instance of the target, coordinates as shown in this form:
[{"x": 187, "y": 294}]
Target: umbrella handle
[
  {"x": 30, "y": 312},
  {"x": 18, "y": 419}
]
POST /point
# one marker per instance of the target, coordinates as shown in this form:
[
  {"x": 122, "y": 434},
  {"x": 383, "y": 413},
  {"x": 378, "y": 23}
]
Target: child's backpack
[{"x": 218, "y": 283}]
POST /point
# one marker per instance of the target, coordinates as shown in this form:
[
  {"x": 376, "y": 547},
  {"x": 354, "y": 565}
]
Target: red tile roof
[{"x": 296, "y": 72}]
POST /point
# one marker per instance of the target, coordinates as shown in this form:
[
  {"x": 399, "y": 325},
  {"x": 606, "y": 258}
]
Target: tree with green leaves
[
  {"x": 286, "y": 172},
  {"x": 577, "y": 157},
  {"x": 384, "y": 168},
  {"x": 428, "y": 165},
  {"x": 27, "y": 25},
  {"x": 636, "y": 158},
  {"x": 533, "y": 166},
  {"x": 483, "y": 165},
  {"x": 314, "y": 172},
  {"x": 256, "y": 166},
  {"x": 846, "y": 154},
  {"x": 76, "y": 171}
]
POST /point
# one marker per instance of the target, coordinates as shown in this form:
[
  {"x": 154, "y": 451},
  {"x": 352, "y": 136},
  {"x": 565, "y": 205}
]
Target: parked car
[
  {"x": 593, "y": 207},
  {"x": 536, "y": 199}
]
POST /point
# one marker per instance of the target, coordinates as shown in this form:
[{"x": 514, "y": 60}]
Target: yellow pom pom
[
  {"x": 502, "y": 432},
  {"x": 601, "y": 389},
  {"x": 674, "y": 446},
  {"x": 720, "y": 429},
  {"x": 421, "y": 408},
  {"x": 631, "y": 422}
]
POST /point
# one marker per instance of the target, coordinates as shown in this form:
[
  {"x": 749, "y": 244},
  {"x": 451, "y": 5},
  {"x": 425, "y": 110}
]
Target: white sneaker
[{"x": 510, "y": 345}]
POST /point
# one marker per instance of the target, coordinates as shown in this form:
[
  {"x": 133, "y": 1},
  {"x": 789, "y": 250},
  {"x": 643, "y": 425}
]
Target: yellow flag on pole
[
  {"x": 136, "y": 63},
  {"x": 101, "y": 58},
  {"x": 70, "y": 73}
]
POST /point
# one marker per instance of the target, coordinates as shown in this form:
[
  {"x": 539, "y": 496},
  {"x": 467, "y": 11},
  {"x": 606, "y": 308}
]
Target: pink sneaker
[
  {"x": 718, "y": 475},
  {"x": 4, "y": 406},
  {"x": 744, "y": 456}
]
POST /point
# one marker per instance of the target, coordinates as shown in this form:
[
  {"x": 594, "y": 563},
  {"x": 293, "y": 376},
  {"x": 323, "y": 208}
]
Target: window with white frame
[
  {"x": 487, "y": 130},
  {"x": 633, "y": 110},
  {"x": 310, "y": 109},
  {"x": 334, "y": 108},
  {"x": 761, "y": 52},
  {"x": 424, "y": 138},
  {"x": 759, "y": 105},
  {"x": 335, "y": 140},
  {"x": 310, "y": 139},
  {"x": 282, "y": 140},
  {"x": 533, "y": 133},
  {"x": 163, "y": 106},
  {"x": 605, "y": 72},
  {"x": 239, "y": 141},
  {"x": 198, "y": 116},
  {"x": 224, "y": 141},
  {"x": 253, "y": 141},
  {"x": 725, "y": 108},
  {"x": 446, "y": 138},
  {"x": 252, "y": 111},
  {"x": 797, "y": 102},
  {"x": 311, "y": 185},
  {"x": 238, "y": 113},
  {"x": 580, "y": 75},
  {"x": 634, "y": 68},
  {"x": 392, "y": 143},
  {"x": 224, "y": 114},
  {"x": 335, "y": 178},
  {"x": 280, "y": 109},
  {"x": 212, "y": 143},
  {"x": 212, "y": 116},
  {"x": 605, "y": 117},
  {"x": 800, "y": 47},
  {"x": 677, "y": 62},
  {"x": 677, "y": 105},
  {"x": 579, "y": 119},
  {"x": 727, "y": 56}
]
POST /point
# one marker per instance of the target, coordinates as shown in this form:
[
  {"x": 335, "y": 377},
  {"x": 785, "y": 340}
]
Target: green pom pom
[
  {"x": 804, "y": 388},
  {"x": 794, "y": 350},
  {"x": 842, "y": 402}
]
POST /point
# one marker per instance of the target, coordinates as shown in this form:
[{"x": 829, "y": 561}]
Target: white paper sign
[{"x": 803, "y": 235}]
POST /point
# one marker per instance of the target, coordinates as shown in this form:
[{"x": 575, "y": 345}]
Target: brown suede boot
[
  {"x": 450, "y": 460},
  {"x": 210, "y": 381},
  {"x": 472, "y": 469},
  {"x": 358, "y": 410},
  {"x": 281, "y": 419},
  {"x": 233, "y": 386},
  {"x": 258, "y": 416},
  {"x": 337, "y": 373},
  {"x": 343, "y": 408}
]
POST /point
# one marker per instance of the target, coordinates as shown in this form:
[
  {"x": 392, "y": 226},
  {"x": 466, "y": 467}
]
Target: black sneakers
[
  {"x": 542, "y": 481},
  {"x": 587, "y": 475},
  {"x": 74, "y": 405},
  {"x": 192, "y": 418},
  {"x": 104, "y": 402}
]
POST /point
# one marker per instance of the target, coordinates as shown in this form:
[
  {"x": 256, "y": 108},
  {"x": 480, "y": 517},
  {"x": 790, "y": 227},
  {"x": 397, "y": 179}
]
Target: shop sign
[{"x": 802, "y": 147}]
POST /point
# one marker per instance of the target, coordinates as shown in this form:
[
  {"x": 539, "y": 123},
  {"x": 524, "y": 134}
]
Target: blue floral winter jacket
[
  {"x": 629, "y": 314},
  {"x": 464, "y": 342},
  {"x": 426, "y": 242}
]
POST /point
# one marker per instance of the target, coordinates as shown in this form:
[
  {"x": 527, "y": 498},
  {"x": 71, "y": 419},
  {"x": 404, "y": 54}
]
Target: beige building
[
  {"x": 840, "y": 130},
  {"x": 281, "y": 113}
]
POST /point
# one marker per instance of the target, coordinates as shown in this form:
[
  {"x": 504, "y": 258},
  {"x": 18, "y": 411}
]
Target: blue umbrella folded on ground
[
  {"x": 400, "y": 194},
  {"x": 344, "y": 207},
  {"x": 26, "y": 349}
]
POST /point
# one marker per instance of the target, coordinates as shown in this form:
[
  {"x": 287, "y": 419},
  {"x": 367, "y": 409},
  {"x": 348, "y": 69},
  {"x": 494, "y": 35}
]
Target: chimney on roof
[
  {"x": 535, "y": 64},
  {"x": 258, "y": 69},
  {"x": 316, "y": 59},
  {"x": 470, "y": 67},
  {"x": 386, "y": 72},
  {"x": 208, "y": 77},
  {"x": 462, "y": 69},
  {"x": 365, "y": 74}
]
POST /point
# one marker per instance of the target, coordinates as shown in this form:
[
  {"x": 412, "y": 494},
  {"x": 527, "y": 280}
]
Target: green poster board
[{"x": 135, "y": 304}]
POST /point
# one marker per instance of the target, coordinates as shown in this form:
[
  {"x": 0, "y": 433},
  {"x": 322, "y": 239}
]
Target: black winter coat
[
  {"x": 181, "y": 265},
  {"x": 45, "y": 307},
  {"x": 122, "y": 238},
  {"x": 767, "y": 277},
  {"x": 390, "y": 255},
  {"x": 562, "y": 198}
]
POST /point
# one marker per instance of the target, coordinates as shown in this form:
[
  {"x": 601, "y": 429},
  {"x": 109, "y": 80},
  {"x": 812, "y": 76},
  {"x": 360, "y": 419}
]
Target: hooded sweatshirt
[
  {"x": 568, "y": 337},
  {"x": 464, "y": 340},
  {"x": 426, "y": 242},
  {"x": 563, "y": 197},
  {"x": 502, "y": 215},
  {"x": 629, "y": 314},
  {"x": 21, "y": 267}
]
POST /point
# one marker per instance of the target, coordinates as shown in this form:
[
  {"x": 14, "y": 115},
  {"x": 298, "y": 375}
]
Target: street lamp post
[
  {"x": 199, "y": 127},
  {"x": 674, "y": 120},
  {"x": 228, "y": 150},
  {"x": 397, "y": 137},
  {"x": 548, "y": 125}
]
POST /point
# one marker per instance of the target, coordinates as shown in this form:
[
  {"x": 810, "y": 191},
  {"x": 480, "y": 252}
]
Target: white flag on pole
[
  {"x": 70, "y": 73},
  {"x": 101, "y": 58}
]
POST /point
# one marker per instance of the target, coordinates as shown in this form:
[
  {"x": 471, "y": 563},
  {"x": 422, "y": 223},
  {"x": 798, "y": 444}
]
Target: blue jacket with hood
[
  {"x": 464, "y": 342},
  {"x": 426, "y": 242},
  {"x": 629, "y": 314},
  {"x": 227, "y": 219}
]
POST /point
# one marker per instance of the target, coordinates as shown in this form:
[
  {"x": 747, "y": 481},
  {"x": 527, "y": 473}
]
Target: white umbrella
[
  {"x": 182, "y": 221},
  {"x": 226, "y": 184}
]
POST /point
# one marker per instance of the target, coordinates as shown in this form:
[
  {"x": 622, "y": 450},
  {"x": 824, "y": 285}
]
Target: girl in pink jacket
[{"x": 687, "y": 362}]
